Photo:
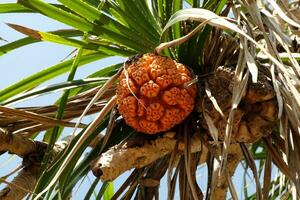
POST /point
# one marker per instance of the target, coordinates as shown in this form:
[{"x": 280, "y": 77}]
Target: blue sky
[{"x": 25, "y": 61}]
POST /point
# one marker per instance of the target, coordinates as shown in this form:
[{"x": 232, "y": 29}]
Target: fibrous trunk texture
[
  {"x": 19, "y": 145},
  {"x": 22, "y": 184},
  {"x": 137, "y": 154},
  {"x": 32, "y": 153},
  {"x": 255, "y": 115}
]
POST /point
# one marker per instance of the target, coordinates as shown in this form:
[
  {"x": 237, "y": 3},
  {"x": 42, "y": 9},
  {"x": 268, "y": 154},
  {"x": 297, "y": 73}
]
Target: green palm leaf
[
  {"x": 30, "y": 40},
  {"x": 46, "y": 74}
]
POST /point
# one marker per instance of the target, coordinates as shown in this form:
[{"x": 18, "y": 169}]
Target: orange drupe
[{"x": 153, "y": 95}]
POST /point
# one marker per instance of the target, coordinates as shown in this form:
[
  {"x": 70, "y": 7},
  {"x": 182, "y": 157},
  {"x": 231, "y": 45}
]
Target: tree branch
[
  {"x": 136, "y": 153},
  {"x": 26, "y": 179},
  {"x": 220, "y": 186},
  {"x": 19, "y": 145},
  {"x": 21, "y": 185}
]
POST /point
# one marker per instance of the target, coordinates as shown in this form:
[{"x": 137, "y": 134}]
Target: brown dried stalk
[{"x": 29, "y": 120}]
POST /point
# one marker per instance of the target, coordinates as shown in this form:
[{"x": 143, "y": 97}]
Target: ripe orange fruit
[{"x": 153, "y": 95}]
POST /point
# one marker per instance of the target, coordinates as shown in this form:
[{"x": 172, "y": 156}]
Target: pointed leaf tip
[{"x": 27, "y": 31}]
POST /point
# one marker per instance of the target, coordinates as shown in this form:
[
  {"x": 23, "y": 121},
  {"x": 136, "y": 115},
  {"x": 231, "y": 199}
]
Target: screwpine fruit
[{"x": 154, "y": 94}]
